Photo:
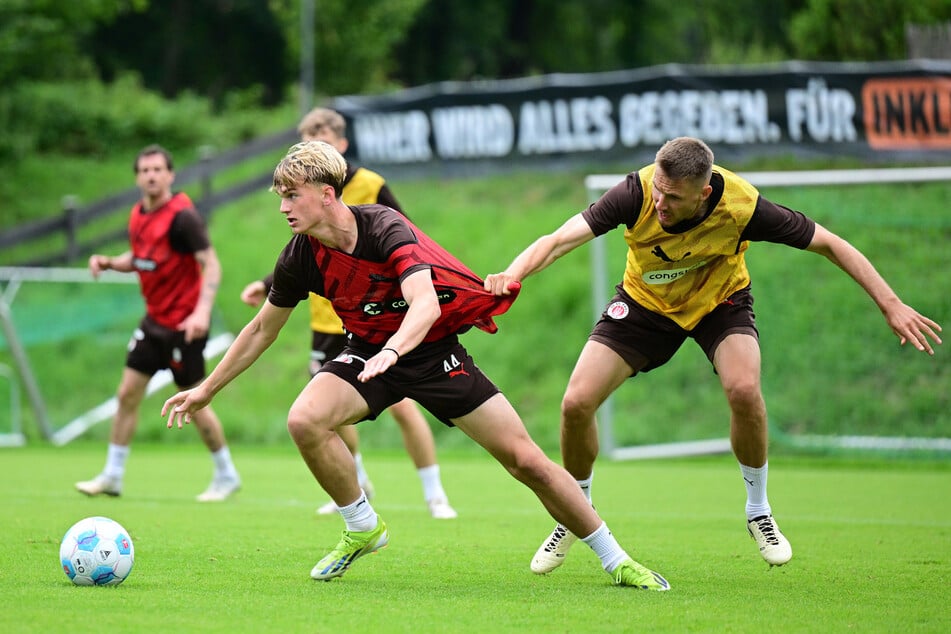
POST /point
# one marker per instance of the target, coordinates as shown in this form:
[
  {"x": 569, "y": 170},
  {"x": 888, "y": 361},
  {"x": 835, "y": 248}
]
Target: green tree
[
  {"x": 208, "y": 47},
  {"x": 853, "y": 30},
  {"x": 502, "y": 39},
  {"x": 353, "y": 40},
  {"x": 42, "y": 39},
  {"x": 745, "y": 31}
]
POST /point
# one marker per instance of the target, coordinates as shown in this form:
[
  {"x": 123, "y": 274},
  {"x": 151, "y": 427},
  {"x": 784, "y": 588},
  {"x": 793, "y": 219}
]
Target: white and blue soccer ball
[{"x": 97, "y": 551}]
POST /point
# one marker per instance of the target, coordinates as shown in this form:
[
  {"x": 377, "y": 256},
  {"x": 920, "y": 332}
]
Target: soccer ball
[{"x": 97, "y": 551}]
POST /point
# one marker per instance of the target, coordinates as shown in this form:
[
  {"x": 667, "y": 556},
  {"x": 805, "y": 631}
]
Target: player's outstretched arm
[
  {"x": 99, "y": 263},
  {"x": 181, "y": 407},
  {"x": 197, "y": 324},
  {"x": 540, "y": 254},
  {"x": 254, "y": 293},
  {"x": 907, "y": 323},
  {"x": 253, "y": 340}
]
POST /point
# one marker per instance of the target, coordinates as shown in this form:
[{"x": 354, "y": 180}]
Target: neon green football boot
[
  {"x": 632, "y": 574},
  {"x": 352, "y": 546}
]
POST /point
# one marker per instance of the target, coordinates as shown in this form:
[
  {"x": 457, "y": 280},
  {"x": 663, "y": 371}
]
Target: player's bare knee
[
  {"x": 302, "y": 426},
  {"x": 576, "y": 410},
  {"x": 529, "y": 467},
  {"x": 743, "y": 393},
  {"x": 129, "y": 399}
]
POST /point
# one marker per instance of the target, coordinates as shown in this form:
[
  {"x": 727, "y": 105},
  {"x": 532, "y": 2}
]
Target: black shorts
[
  {"x": 154, "y": 347},
  {"x": 647, "y": 340},
  {"x": 440, "y": 376},
  {"x": 324, "y": 346}
]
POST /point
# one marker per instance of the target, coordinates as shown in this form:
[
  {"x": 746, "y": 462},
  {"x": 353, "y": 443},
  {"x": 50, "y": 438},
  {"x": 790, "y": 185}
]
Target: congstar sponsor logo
[
  {"x": 400, "y": 305},
  {"x": 665, "y": 276}
]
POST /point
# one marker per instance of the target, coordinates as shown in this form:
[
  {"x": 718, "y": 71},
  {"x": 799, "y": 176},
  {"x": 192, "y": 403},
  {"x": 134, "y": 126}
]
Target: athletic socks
[
  {"x": 757, "y": 503},
  {"x": 586, "y": 486},
  {"x": 362, "y": 476},
  {"x": 116, "y": 457},
  {"x": 432, "y": 484},
  {"x": 607, "y": 549},
  {"x": 359, "y": 516},
  {"x": 224, "y": 467}
]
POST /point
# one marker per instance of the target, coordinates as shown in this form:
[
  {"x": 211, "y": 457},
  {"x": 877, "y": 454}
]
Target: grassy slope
[{"x": 830, "y": 363}]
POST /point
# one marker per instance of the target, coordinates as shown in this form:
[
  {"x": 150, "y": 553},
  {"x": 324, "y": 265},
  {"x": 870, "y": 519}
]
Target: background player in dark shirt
[
  {"x": 688, "y": 223},
  {"x": 403, "y": 299},
  {"x": 179, "y": 275}
]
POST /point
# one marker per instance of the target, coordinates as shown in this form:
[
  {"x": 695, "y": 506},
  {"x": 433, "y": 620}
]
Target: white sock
[
  {"x": 116, "y": 456},
  {"x": 224, "y": 467},
  {"x": 756, "y": 501},
  {"x": 586, "y": 486},
  {"x": 362, "y": 476},
  {"x": 359, "y": 516},
  {"x": 432, "y": 484},
  {"x": 607, "y": 549}
]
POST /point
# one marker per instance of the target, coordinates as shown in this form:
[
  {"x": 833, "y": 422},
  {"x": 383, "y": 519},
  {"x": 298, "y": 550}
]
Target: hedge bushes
[{"x": 92, "y": 119}]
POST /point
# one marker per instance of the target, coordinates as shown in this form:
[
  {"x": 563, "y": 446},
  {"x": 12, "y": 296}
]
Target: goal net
[
  {"x": 64, "y": 342},
  {"x": 693, "y": 417}
]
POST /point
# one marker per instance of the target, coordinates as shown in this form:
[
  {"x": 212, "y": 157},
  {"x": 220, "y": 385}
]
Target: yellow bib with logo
[{"x": 684, "y": 276}]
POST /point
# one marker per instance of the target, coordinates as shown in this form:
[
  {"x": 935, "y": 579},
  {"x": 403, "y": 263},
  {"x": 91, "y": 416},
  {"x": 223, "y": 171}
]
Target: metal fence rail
[{"x": 74, "y": 217}]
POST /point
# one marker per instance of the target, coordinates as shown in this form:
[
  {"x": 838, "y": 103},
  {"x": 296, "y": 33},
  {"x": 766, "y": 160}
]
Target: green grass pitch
[{"x": 871, "y": 541}]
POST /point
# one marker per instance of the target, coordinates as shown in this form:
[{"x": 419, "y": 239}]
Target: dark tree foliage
[
  {"x": 847, "y": 30},
  {"x": 504, "y": 39},
  {"x": 210, "y": 47},
  {"x": 40, "y": 39}
]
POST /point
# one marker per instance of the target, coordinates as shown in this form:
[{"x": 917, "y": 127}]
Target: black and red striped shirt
[{"x": 364, "y": 286}]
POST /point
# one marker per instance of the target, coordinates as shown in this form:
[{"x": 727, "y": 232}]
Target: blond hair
[
  {"x": 320, "y": 118},
  {"x": 310, "y": 163},
  {"x": 685, "y": 158}
]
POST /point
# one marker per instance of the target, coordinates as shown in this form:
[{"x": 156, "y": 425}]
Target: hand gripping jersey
[
  {"x": 170, "y": 280},
  {"x": 367, "y": 295}
]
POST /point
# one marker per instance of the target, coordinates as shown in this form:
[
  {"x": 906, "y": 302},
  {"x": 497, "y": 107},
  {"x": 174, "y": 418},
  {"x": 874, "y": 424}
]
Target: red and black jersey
[
  {"x": 364, "y": 286},
  {"x": 164, "y": 242}
]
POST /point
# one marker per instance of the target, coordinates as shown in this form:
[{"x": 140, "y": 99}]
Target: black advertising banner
[{"x": 881, "y": 112}]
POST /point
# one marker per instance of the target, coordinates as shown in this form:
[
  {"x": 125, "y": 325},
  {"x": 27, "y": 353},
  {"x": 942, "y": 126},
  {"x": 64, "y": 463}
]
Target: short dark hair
[
  {"x": 149, "y": 150},
  {"x": 685, "y": 158}
]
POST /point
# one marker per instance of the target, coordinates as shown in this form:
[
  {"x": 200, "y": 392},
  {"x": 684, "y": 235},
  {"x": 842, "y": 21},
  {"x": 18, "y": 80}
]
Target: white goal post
[
  {"x": 14, "y": 436},
  {"x": 11, "y": 279},
  {"x": 597, "y": 184}
]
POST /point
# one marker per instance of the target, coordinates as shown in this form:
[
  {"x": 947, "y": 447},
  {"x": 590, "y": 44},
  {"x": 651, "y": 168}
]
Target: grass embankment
[{"x": 830, "y": 363}]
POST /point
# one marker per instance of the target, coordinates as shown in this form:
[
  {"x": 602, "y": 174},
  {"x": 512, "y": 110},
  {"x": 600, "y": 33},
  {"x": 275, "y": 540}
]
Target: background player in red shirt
[{"x": 179, "y": 275}]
